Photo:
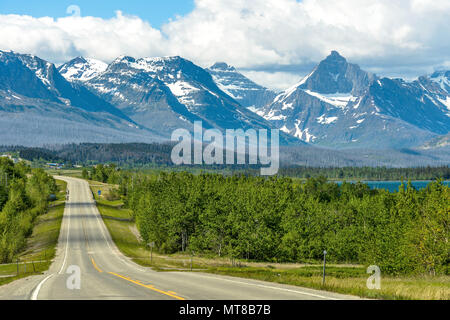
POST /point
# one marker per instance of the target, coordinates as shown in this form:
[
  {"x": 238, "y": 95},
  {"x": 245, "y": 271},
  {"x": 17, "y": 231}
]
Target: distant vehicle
[{"x": 57, "y": 166}]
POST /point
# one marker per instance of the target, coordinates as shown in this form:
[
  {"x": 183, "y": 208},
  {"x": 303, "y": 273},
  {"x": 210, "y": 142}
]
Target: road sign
[
  {"x": 151, "y": 245},
  {"x": 99, "y": 192}
]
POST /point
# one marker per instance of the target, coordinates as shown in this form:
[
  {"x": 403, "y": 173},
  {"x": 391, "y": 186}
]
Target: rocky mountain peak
[
  {"x": 222, "y": 66},
  {"x": 82, "y": 69},
  {"x": 335, "y": 75},
  {"x": 442, "y": 78}
]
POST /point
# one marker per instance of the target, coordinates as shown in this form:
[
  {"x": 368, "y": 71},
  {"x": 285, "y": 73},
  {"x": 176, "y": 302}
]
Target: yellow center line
[
  {"x": 95, "y": 266},
  {"x": 167, "y": 293}
]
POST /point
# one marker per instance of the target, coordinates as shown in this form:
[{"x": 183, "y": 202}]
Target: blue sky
[
  {"x": 156, "y": 12},
  {"x": 274, "y": 42}
]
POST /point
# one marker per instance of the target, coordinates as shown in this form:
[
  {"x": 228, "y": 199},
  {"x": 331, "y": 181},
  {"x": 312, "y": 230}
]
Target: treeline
[
  {"x": 369, "y": 173},
  {"x": 278, "y": 219},
  {"x": 24, "y": 195},
  {"x": 109, "y": 173},
  {"x": 122, "y": 154},
  {"x": 158, "y": 156}
]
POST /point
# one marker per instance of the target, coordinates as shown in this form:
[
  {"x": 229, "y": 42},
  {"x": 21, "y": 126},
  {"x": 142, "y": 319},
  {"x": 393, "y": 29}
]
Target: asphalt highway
[{"x": 88, "y": 265}]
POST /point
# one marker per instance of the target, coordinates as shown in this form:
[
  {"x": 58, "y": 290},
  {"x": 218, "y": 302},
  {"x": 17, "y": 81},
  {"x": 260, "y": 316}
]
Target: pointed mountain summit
[
  {"x": 442, "y": 78},
  {"x": 167, "y": 93},
  {"x": 82, "y": 69},
  {"x": 38, "y": 106},
  {"x": 248, "y": 93},
  {"x": 339, "y": 105},
  {"x": 336, "y": 75},
  {"x": 222, "y": 66}
]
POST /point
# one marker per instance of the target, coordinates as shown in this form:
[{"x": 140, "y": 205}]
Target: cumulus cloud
[
  {"x": 263, "y": 37},
  {"x": 64, "y": 38},
  {"x": 277, "y": 81}
]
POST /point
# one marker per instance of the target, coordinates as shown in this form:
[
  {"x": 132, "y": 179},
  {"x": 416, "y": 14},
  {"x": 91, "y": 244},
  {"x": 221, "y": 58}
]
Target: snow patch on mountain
[
  {"x": 82, "y": 69},
  {"x": 339, "y": 100},
  {"x": 446, "y": 103},
  {"x": 443, "y": 79},
  {"x": 326, "y": 120},
  {"x": 248, "y": 93},
  {"x": 274, "y": 115},
  {"x": 183, "y": 91}
]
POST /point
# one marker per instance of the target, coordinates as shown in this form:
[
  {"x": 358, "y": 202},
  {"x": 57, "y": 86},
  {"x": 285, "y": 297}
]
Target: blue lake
[{"x": 393, "y": 186}]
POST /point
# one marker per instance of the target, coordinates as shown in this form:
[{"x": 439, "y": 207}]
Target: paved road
[{"x": 85, "y": 243}]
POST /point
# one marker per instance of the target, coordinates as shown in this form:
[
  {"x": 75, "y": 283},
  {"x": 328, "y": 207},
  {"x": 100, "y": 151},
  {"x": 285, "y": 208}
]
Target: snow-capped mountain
[
  {"x": 340, "y": 105},
  {"x": 442, "y": 78},
  {"x": 142, "y": 100},
  {"x": 168, "y": 93},
  {"x": 248, "y": 93},
  {"x": 37, "y": 105},
  {"x": 335, "y": 75},
  {"x": 82, "y": 69}
]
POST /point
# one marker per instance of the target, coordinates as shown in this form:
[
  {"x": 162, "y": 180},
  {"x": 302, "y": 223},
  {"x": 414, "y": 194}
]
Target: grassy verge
[
  {"x": 75, "y": 173},
  {"x": 346, "y": 279},
  {"x": 41, "y": 245}
]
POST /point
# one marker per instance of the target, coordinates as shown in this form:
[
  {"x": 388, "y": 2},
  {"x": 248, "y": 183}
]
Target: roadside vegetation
[
  {"x": 31, "y": 210},
  {"x": 427, "y": 279},
  {"x": 277, "y": 220}
]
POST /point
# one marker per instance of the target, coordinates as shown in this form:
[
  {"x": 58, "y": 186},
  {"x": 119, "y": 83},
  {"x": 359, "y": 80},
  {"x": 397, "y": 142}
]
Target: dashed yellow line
[
  {"x": 95, "y": 265},
  {"x": 167, "y": 293}
]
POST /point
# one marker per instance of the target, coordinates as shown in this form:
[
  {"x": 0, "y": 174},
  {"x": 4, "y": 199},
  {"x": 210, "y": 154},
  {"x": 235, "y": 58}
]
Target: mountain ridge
[{"x": 339, "y": 105}]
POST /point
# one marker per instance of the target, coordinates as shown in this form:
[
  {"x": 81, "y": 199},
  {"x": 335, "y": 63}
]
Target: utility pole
[
  {"x": 248, "y": 250},
  {"x": 151, "y": 244},
  {"x": 324, "y": 263}
]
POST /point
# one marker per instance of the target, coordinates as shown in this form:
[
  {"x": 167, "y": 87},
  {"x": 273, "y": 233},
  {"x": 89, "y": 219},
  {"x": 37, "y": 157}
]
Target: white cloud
[
  {"x": 64, "y": 38},
  {"x": 389, "y": 36},
  {"x": 277, "y": 81}
]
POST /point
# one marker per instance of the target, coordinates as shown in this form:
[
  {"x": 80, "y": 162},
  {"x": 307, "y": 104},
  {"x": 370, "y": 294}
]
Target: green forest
[
  {"x": 280, "y": 219},
  {"x": 24, "y": 195},
  {"x": 369, "y": 173},
  {"x": 156, "y": 157}
]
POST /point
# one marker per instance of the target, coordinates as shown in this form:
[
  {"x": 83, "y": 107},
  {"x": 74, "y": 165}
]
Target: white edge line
[
  {"x": 273, "y": 287},
  {"x": 67, "y": 239},
  {"x": 35, "y": 294}
]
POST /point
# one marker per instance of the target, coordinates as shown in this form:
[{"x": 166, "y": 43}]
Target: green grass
[
  {"x": 348, "y": 281},
  {"x": 75, "y": 173},
  {"x": 345, "y": 279},
  {"x": 41, "y": 245}
]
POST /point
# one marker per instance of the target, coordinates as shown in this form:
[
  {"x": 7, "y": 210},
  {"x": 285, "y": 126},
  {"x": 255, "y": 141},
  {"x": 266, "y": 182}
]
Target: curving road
[{"x": 86, "y": 245}]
